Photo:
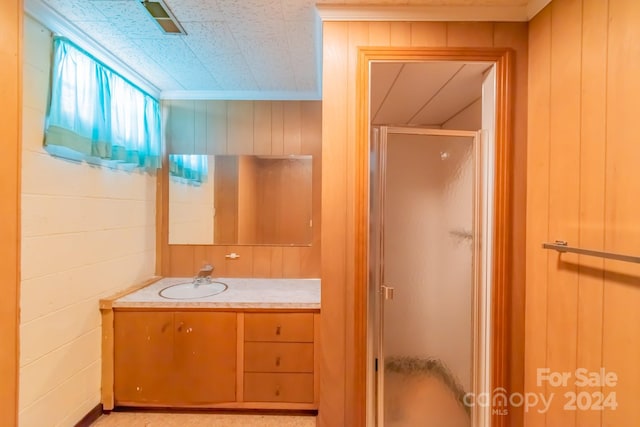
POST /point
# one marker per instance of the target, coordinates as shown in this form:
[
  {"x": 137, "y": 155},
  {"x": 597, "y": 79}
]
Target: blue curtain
[
  {"x": 95, "y": 113},
  {"x": 192, "y": 168}
]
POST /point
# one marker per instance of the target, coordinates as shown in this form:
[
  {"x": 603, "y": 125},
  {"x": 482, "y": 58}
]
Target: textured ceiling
[{"x": 232, "y": 46}]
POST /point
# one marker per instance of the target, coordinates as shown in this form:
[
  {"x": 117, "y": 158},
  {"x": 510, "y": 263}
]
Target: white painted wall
[
  {"x": 191, "y": 210},
  {"x": 87, "y": 232}
]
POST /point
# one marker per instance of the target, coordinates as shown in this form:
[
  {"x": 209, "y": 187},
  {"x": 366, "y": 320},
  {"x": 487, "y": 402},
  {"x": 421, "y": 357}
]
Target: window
[
  {"x": 97, "y": 116},
  {"x": 190, "y": 169}
]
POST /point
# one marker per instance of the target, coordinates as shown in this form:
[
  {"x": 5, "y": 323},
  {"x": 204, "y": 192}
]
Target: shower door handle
[{"x": 387, "y": 292}]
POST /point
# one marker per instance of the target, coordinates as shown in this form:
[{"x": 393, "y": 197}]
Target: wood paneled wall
[
  {"x": 10, "y": 128},
  {"x": 245, "y": 127},
  {"x": 583, "y": 182},
  {"x": 340, "y": 404}
]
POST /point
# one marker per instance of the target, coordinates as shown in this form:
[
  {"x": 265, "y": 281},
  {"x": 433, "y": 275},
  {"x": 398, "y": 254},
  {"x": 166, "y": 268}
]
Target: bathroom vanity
[{"x": 253, "y": 345}]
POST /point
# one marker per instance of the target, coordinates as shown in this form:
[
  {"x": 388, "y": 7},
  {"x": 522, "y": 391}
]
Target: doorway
[
  {"x": 431, "y": 246},
  {"x": 426, "y": 287}
]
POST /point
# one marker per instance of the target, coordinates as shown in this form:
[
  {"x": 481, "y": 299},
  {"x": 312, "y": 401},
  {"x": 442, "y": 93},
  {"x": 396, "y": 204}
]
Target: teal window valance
[
  {"x": 97, "y": 116},
  {"x": 191, "y": 169}
]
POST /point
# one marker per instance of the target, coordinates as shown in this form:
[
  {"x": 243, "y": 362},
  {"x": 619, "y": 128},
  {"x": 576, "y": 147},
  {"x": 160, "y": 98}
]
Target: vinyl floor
[{"x": 163, "y": 419}]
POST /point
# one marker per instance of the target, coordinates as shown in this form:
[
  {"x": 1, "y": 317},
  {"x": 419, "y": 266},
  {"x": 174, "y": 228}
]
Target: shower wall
[{"x": 428, "y": 252}]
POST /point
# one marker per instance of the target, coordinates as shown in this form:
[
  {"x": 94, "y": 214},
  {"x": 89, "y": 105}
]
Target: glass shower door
[{"x": 425, "y": 213}]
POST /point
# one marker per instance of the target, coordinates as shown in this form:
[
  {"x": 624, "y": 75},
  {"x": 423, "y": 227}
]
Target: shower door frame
[
  {"x": 504, "y": 372},
  {"x": 377, "y": 284}
]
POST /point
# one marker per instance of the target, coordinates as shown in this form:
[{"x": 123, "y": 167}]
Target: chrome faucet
[{"x": 204, "y": 275}]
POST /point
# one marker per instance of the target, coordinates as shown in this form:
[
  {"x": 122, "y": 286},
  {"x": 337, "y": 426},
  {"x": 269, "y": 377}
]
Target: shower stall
[{"x": 428, "y": 294}]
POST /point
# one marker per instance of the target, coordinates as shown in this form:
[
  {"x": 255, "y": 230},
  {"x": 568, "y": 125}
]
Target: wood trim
[
  {"x": 415, "y": 12},
  {"x": 107, "y": 303},
  {"x": 240, "y": 357},
  {"x": 316, "y": 358},
  {"x": 91, "y": 417},
  {"x": 107, "y": 356},
  {"x": 235, "y": 309},
  {"x": 270, "y": 406},
  {"x": 11, "y": 130},
  {"x": 501, "y": 302}
]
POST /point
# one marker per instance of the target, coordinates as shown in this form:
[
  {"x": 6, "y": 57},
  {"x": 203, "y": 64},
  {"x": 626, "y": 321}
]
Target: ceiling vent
[{"x": 161, "y": 13}]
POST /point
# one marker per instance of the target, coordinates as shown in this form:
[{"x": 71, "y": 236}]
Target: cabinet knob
[
  {"x": 278, "y": 330},
  {"x": 180, "y": 326},
  {"x": 277, "y": 392},
  {"x": 278, "y": 361}
]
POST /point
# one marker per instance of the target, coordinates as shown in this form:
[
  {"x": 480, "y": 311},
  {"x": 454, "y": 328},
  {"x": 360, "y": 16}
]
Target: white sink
[{"x": 191, "y": 291}]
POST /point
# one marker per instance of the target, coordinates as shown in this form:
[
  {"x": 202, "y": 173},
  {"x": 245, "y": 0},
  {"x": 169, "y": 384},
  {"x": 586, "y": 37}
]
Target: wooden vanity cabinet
[
  {"x": 164, "y": 358},
  {"x": 185, "y": 358}
]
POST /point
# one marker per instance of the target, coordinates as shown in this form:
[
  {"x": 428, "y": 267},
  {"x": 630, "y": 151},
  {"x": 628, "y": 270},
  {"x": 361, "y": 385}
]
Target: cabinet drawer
[
  {"x": 287, "y": 327},
  {"x": 278, "y": 357},
  {"x": 268, "y": 387}
]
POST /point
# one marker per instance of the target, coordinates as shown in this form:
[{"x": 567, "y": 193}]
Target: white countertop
[{"x": 241, "y": 293}]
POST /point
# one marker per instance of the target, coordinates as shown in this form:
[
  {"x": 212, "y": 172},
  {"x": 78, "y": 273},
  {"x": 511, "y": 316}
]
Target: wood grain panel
[
  {"x": 621, "y": 335},
  {"x": 242, "y": 266},
  {"x": 537, "y": 207},
  {"x": 277, "y": 128},
  {"x": 261, "y": 127},
  {"x": 429, "y": 34},
  {"x": 291, "y": 128},
  {"x": 10, "y": 127},
  {"x": 592, "y": 191},
  {"x": 470, "y": 34},
  {"x": 515, "y": 36},
  {"x": 379, "y": 34},
  {"x": 181, "y": 261},
  {"x": 335, "y": 90},
  {"x": 216, "y": 127},
  {"x": 225, "y": 222},
  {"x": 200, "y": 127},
  {"x": 240, "y": 127},
  {"x": 359, "y": 35},
  {"x": 181, "y": 127},
  {"x": 564, "y": 200},
  {"x": 400, "y": 34},
  {"x": 262, "y": 256}
]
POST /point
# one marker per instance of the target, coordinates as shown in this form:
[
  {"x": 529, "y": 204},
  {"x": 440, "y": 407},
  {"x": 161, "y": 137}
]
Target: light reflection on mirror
[{"x": 240, "y": 200}]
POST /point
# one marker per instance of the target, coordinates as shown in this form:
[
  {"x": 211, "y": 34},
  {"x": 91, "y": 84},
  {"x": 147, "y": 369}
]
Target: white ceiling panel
[
  {"x": 462, "y": 90},
  {"x": 195, "y": 10},
  {"x": 423, "y": 93},
  {"x": 383, "y": 75},
  {"x": 77, "y": 10},
  {"x": 414, "y": 87}
]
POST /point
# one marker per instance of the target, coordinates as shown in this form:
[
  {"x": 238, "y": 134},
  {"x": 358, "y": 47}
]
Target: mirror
[{"x": 240, "y": 200}]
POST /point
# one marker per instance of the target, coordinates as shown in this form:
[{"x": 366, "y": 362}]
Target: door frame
[
  {"x": 10, "y": 187},
  {"x": 500, "y": 309},
  {"x": 377, "y": 300}
]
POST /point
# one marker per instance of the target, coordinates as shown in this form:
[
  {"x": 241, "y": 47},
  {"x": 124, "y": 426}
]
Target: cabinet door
[
  {"x": 143, "y": 356},
  {"x": 205, "y": 357}
]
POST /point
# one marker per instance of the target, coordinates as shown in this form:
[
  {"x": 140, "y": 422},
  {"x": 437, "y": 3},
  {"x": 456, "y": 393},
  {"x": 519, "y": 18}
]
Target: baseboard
[{"x": 91, "y": 417}]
